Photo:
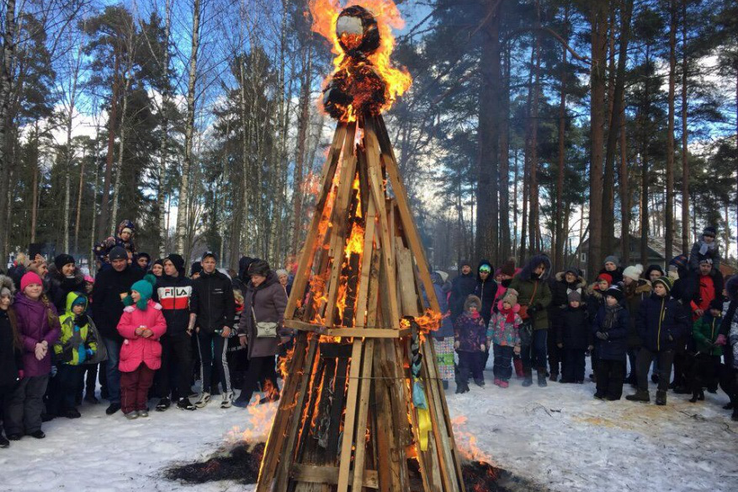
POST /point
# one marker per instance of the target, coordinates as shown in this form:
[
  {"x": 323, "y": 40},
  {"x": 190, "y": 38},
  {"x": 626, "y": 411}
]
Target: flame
[
  {"x": 466, "y": 442},
  {"x": 258, "y": 425},
  {"x": 325, "y": 16}
]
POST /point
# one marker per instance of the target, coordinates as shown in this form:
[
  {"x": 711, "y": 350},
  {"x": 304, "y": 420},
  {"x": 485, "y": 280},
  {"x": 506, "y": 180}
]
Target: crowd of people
[
  {"x": 138, "y": 330},
  {"x": 631, "y": 321},
  {"x": 143, "y": 329}
]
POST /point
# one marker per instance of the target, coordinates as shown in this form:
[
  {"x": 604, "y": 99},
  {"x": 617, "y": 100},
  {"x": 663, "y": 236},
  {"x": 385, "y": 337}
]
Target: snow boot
[
  {"x": 227, "y": 399},
  {"x": 661, "y": 398},
  {"x": 554, "y": 376},
  {"x": 114, "y": 407},
  {"x": 204, "y": 400},
  {"x": 163, "y": 404},
  {"x": 528, "y": 378},
  {"x": 697, "y": 395},
  {"x": 518, "y": 363},
  {"x": 185, "y": 404},
  {"x": 542, "y": 378},
  {"x": 640, "y": 395},
  {"x": 4, "y": 443},
  {"x": 479, "y": 382}
]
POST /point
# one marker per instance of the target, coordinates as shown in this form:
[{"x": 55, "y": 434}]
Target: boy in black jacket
[
  {"x": 661, "y": 322},
  {"x": 214, "y": 307},
  {"x": 574, "y": 338}
]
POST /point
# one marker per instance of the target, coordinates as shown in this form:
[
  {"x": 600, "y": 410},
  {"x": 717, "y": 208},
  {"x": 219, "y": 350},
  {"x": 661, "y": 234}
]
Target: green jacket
[
  {"x": 541, "y": 299},
  {"x": 76, "y": 343},
  {"x": 704, "y": 330}
]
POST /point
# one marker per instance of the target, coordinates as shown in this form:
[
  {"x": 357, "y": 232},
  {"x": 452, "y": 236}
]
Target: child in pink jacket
[{"x": 141, "y": 325}]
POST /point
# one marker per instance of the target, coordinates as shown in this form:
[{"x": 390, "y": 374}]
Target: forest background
[{"x": 530, "y": 126}]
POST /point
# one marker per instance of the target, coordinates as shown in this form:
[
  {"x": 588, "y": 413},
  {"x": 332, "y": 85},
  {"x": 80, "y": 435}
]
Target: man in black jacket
[
  {"x": 112, "y": 285},
  {"x": 214, "y": 307},
  {"x": 461, "y": 288},
  {"x": 173, "y": 292}
]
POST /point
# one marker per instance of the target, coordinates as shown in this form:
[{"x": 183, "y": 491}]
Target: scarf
[
  {"x": 611, "y": 316},
  {"x": 705, "y": 247},
  {"x": 509, "y": 315}
]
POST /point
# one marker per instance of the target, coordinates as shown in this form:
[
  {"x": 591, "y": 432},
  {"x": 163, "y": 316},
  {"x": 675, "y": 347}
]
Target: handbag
[
  {"x": 524, "y": 309},
  {"x": 264, "y": 329},
  {"x": 525, "y": 332}
]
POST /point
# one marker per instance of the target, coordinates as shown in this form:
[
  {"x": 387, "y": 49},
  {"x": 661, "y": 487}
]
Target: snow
[{"x": 558, "y": 437}]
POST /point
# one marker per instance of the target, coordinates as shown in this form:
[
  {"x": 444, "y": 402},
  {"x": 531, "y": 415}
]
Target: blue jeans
[
  {"x": 113, "y": 374},
  {"x": 503, "y": 361},
  {"x": 534, "y": 355}
]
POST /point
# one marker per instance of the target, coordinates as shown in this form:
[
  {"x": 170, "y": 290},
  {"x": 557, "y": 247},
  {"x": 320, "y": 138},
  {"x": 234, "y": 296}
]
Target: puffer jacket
[
  {"x": 60, "y": 286},
  {"x": 461, "y": 287},
  {"x": 486, "y": 290},
  {"x": 470, "y": 332},
  {"x": 574, "y": 329},
  {"x": 615, "y": 347},
  {"x": 37, "y": 321},
  {"x": 661, "y": 321},
  {"x": 535, "y": 289},
  {"x": 76, "y": 343},
  {"x": 634, "y": 295},
  {"x": 213, "y": 302},
  {"x": 705, "y": 331},
  {"x": 441, "y": 288},
  {"x": 11, "y": 356},
  {"x": 503, "y": 332},
  {"x": 137, "y": 349}
]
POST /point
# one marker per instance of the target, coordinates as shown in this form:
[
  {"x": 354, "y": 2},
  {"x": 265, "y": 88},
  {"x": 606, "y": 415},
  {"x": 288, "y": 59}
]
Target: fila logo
[{"x": 175, "y": 297}]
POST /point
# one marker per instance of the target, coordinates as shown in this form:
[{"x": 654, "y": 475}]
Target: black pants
[
  {"x": 470, "y": 364},
  {"x": 6, "y": 392},
  {"x": 87, "y": 381},
  {"x": 212, "y": 351},
  {"x": 665, "y": 359},
  {"x": 573, "y": 365},
  {"x": 65, "y": 394},
  {"x": 682, "y": 365},
  {"x": 610, "y": 376},
  {"x": 260, "y": 369},
  {"x": 704, "y": 372},
  {"x": 175, "y": 374},
  {"x": 23, "y": 410},
  {"x": 534, "y": 355}
]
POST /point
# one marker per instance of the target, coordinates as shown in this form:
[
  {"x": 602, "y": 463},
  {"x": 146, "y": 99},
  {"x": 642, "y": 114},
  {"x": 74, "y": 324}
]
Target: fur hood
[
  {"x": 580, "y": 282},
  {"x": 7, "y": 283},
  {"x": 596, "y": 293},
  {"x": 527, "y": 272}
]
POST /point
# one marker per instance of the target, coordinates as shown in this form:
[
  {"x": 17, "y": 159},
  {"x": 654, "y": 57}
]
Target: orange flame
[
  {"x": 466, "y": 442},
  {"x": 325, "y": 16}
]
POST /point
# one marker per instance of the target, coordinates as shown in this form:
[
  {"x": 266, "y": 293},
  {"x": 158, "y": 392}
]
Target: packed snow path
[{"x": 558, "y": 437}]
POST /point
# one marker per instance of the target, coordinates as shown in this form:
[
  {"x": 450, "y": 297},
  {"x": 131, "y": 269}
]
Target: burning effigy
[{"x": 362, "y": 404}]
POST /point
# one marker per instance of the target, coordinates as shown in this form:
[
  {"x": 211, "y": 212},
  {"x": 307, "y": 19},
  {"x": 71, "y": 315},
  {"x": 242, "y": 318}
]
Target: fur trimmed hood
[
  {"x": 527, "y": 272},
  {"x": 581, "y": 283}
]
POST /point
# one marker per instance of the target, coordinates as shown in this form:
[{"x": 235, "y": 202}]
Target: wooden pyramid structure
[{"x": 362, "y": 407}]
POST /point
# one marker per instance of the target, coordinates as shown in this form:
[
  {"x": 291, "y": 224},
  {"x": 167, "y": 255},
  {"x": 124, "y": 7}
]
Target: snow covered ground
[{"x": 558, "y": 437}]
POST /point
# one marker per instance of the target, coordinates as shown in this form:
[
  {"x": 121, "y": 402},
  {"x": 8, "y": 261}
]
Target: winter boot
[
  {"x": 204, "y": 400},
  {"x": 640, "y": 395},
  {"x": 697, "y": 395},
  {"x": 661, "y": 398},
  {"x": 542, "y": 378},
  {"x": 4, "y": 443},
  {"x": 163, "y": 404},
  {"x": 528, "y": 378},
  {"x": 185, "y": 404},
  {"x": 518, "y": 363},
  {"x": 554, "y": 376}
]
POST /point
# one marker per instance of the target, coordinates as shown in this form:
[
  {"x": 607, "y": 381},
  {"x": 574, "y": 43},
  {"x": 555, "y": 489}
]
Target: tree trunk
[
  {"x": 516, "y": 179},
  {"x": 669, "y": 208},
  {"x": 119, "y": 166},
  {"x": 113, "y": 115},
  {"x": 505, "y": 161},
  {"x": 302, "y": 135},
  {"x": 598, "y": 20},
  {"x": 163, "y": 232},
  {"x": 81, "y": 188},
  {"x": 625, "y": 203},
  {"x": 533, "y": 146},
  {"x": 489, "y": 138},
  {"x": 184, "y": 186},
  {"x": 608, "y": 180},
  {"x": 34, "y": 206},
  {"x": 559, "y": 230},
  {"x": 6, "y": 88}
]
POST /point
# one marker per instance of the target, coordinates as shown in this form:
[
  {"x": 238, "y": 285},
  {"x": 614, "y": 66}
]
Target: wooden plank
[
  {"x": 340, "y": 395},
  {"x": 329, "y": 475},
  {"x": 406, "y": 281},
  {"x": 361, "y": 418},
  {"x": 369, "y": 234},
  {"x": 288, "y": 452},
  {"x": 308, "y": 250},
  {"x": 358, "y": 331},
  {"x": 339, "y": 219},
  {"x": 406, "y": 217},
  {"x": 350, "y": 419},
  {"x": 273, "y": 448}
]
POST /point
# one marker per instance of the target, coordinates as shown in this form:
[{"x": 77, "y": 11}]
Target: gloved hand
[
  {"x": 721, "y": 340},
  {"x": 602, "y": 335}
]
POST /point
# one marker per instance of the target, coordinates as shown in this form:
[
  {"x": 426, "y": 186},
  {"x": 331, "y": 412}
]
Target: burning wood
[{"x": 362, "y": 397}]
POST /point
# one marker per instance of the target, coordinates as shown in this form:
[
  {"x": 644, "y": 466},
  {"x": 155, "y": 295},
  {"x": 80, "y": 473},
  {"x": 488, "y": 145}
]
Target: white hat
[{"x": 633, "y": 272}]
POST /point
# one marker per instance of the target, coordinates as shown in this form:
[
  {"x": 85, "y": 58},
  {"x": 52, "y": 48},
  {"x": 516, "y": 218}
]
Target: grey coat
[{"x": 269, "y": 301}]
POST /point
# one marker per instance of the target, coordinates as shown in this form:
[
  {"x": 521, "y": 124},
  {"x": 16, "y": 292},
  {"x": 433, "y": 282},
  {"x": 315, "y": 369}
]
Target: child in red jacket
[{"x": 141, "y": 326}]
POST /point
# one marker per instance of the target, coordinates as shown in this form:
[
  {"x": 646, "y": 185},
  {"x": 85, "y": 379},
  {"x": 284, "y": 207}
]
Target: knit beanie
[
  {"x": 195, "y": 268},
  {"x": 80, "y": 300},
  {"x": 118, "y": 253},
  {"x": 679, "y": 261},
  {"x": 633, "y": 272},
  {"x": 615, "y": 292},
  {"x": 146, "y": 290},
  {"x": 605, "y": 276},
  {"x": 282, "y": 273},
  {"x": 717, "y": 304},
  {"x": 30, "y": 278},
  {"x": 508, "y": 268},
  {"x": 178, "y": 262},
  {"x": 63, "y": 259},
  {"x": 573, "y": 270},
  {"x": 709, "y": 231},
  {"x": 612, "y": 259},
  {"x": 89, "y": 279},
  {"x": 706, "y": 261},
  {"x": 574, "y": 296},
  {"x": 511, "y": 297},
  {"x": 666, "y": 282}
]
